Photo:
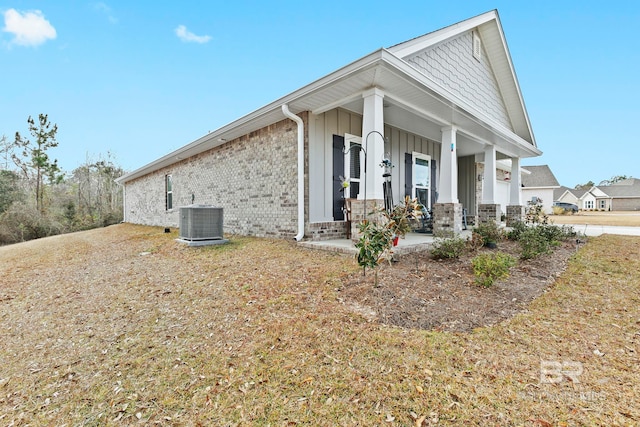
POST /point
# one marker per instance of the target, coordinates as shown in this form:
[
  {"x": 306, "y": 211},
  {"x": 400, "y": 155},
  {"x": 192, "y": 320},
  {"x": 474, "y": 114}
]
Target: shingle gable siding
[
  {"x": 254, "y": 178},
  {"x": 452, "y": 65}
]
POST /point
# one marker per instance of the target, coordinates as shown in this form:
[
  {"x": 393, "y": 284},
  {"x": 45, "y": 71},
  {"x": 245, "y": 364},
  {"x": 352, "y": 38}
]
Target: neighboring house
[
  {"x": 585, "y": 199},
  {"x": 621, "y": 196},
  {"x": 540, "y": 183},
  {"x": 444, "y": 108},
  {"x": 565, "y": 194}
]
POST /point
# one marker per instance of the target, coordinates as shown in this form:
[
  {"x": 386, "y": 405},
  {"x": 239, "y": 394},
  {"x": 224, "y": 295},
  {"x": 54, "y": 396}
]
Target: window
[
  {"x": 588, "y": 204},
  {"x": 168, "y": 183},
  {"x": 353, "y": 165},
  {"x": 422, "y": 179},
  {"x": 602, "y": 204}
]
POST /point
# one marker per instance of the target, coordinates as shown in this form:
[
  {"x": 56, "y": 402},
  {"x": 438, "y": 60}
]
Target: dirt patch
[{"x": 418, "y": 292}]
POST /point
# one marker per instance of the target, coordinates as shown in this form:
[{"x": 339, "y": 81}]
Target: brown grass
[
  {"x": 124, "y": 326},
  {"x": 629, "y": 219}
]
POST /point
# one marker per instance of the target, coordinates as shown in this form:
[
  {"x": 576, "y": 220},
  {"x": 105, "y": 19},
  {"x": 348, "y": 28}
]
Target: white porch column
[
  {"x": 373, "y": 143},
  {"x": 448, "y": 189},
  {"x": 489, "y": 184},
  {"x": 515, "y": 198}
]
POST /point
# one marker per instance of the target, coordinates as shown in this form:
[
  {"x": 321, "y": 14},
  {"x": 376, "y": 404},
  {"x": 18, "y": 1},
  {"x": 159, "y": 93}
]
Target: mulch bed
[{"x": 418, "y": 292}]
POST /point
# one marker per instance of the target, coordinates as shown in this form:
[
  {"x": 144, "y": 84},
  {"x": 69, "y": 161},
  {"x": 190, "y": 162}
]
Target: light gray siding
[{"x": 452, "y": 65}]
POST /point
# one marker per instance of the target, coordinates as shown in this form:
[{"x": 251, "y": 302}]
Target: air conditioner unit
[{"x": 200, "y": 222}]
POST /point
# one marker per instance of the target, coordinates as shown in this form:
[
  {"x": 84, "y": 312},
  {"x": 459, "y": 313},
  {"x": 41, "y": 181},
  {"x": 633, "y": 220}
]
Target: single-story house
[
  {"x": 444, "y": 108},
  {"x": 585, "y": 199},
  {"x": 539, "y": 184},
  {"x": 621, "y": 196}
]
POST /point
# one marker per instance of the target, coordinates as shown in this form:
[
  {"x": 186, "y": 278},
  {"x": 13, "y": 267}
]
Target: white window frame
[
  {"x": 588, "y": 204},
  {"x": 348, "y": 140},
  {"x": 602, "y": 204},
  {"x": 168, "y": 188},
  {"x": 415, "y": 155}
]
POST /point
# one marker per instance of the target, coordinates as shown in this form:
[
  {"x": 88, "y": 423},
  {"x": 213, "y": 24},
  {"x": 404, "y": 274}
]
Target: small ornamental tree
[{"x": 376, "y": 239}]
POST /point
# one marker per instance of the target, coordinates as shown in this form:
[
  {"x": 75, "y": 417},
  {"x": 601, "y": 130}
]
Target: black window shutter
[
  {"x": 434, "y": 193},
  {"x": 338, "y": 170},
  {"x": 408, "y": 174}
]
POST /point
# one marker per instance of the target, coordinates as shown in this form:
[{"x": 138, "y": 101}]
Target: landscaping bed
[{"x": 419, "y": 292}]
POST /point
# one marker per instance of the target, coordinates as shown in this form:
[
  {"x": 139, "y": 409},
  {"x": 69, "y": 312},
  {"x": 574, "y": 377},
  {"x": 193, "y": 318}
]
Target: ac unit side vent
[{"x": 201, "y": 222}]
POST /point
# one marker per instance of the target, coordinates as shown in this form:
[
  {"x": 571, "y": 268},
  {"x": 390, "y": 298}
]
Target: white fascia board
[
  {"x": 423, "y": 42},
  {"x": 507, "y": 58},
  {"x": 461, "y": 106},
  {"x": 173, "y": 157}
]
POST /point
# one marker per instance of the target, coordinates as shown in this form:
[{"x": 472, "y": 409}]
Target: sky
[{"x": 135, "y": 80}]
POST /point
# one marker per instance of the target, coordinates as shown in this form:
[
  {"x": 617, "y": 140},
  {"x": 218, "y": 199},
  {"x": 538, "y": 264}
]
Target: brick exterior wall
[
  {"x": 515, "y": 214},
  {"x": 489, "y": 212},
  {"x": 447, "y": 219},
  {"x": 254, "y": 178}
]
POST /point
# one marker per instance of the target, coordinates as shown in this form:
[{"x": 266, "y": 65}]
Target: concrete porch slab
[{"x": 413, "y": 242}]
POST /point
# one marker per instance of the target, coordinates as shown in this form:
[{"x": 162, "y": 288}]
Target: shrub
[
  {"x": 22, "y": 222},
  {"x": 540, "y": 239},
  {"x": 535, "y": 213},
  {"x": 489, "y": 267},
  {"x": 450, "y": 248},
  {"x": 557, "y": 210},
  {"x": 490, "y": 232},
  {"x": 534, "y": 243},
  {"x": 516, "y": 231},
  {"x": 475, "y": 242}
]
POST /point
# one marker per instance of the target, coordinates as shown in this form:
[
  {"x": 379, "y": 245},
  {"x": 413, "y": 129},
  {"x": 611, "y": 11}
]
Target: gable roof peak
[{"x": 424, "y": 41}]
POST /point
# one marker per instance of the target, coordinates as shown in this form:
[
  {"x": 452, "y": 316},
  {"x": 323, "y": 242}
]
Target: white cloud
[
  {"x": 187, "y": 36},
  {"x": 28, "y": 28},
  {"x": 106, "y": 10}
]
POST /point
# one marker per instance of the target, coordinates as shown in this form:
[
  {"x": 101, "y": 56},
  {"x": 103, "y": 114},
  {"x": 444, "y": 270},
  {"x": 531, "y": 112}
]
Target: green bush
[
  {"x": 451, "y": 248},
  {"x": 489, "y": 267},
  {"x": 490, "y": 232},
  {"x": 534, "y": 242},
  {"x": 540, "y": 239},
  {"x": 516, "y": 231}
]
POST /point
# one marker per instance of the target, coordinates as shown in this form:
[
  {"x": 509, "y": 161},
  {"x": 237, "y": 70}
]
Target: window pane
[
  {"x": 169, "y": 183},
  {"x": 169, "y": 201},
  {"x": 422, "y": 172},
  {"x": 354, "y": 189},
  {"x": 354, "y": 160},
  {"x": 422, "y": 195}
]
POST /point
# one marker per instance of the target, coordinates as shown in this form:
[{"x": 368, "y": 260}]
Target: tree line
[{"x": 38, "y": 199}]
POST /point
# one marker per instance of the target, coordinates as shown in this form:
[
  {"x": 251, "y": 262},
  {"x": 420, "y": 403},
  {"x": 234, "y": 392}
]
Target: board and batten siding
[{"x": 341, "y": 122}]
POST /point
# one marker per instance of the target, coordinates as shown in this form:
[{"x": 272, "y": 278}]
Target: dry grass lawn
[
  {"x": 123, "y": 326},
  {"x": 629, "y": 219}
]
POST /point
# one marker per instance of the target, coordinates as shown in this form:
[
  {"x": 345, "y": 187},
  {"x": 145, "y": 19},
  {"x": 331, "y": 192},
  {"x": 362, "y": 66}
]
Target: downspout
[{"x": 300, "y": 123}]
